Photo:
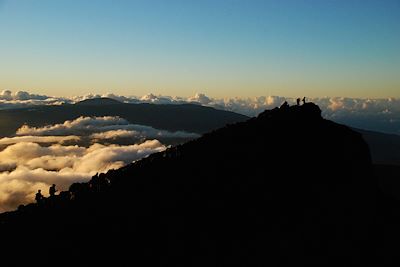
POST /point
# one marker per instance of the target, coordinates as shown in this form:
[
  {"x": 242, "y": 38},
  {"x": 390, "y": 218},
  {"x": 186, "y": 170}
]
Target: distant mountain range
[
  {"x": 385, "y": 148},
  {"x": 286, "y": 188},
  {"x": 185, "y": 117}
]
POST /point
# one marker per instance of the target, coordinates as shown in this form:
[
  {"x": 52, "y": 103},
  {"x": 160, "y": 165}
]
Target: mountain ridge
[
  {"x": 385, "y": 148},
  {"x": 99, "y": 101},
  {"x": 285, "y": 180},
  {"x": 182, "y": 117}
]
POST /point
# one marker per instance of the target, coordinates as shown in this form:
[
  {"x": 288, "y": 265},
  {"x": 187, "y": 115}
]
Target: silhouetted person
[
  {"x": 52, "y": 190},
  {"x": 39, "y": 197},
  {"x": 304, "y": 100},
  {"x": 298, "y": 101}
]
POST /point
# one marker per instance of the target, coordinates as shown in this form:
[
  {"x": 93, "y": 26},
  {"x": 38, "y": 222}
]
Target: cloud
[
  {"x": 20, "y": 95},
  {"x": 20, "y": 99},
  {"x": 27, "y": 167},
  {"x": 71, "y": 151},
  {"x": 375, "y": 114},
  {"x": 107, "y": 127},
  {"x": 79, "y": 126},
  {"x": 38, "y": 139},
  {"x": 96, "y": 157},
  {"x": 75, "y": 150},
  {"x": 114, "y": 134},
  {"x": 200, "y": 98}
]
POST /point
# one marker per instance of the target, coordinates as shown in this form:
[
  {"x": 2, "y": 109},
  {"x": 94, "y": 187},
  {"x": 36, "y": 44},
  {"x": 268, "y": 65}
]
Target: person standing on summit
[
  {"x": 39, "y": 197},
  {"x": 52, "y": 190},
  {"x": 304, "y": 100}
]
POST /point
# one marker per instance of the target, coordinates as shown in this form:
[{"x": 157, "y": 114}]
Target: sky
[{"x": 223, "y": 48}]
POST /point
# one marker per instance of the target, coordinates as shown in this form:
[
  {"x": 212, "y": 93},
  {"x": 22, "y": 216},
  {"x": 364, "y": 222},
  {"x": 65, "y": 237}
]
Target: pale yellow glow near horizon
[
  {"x": 243, "y": 83},
  {"x": 216, "y": 90}
]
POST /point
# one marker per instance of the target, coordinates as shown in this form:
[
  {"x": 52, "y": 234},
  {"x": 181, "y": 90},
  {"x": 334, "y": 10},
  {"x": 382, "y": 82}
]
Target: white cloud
[
  {"x": 19, "y": 99},
  {"x": 71, "y": 151},
  {"x": 27, "y": 167},
  {"x": 106, "y": 127},
  {"x": 20, "y": 95},
  {"x": 114, "y": 134},
  {"x": 40, "y": 156},
  {"x": 200, "y": 98},
  {"x": 38, "y": 139},
  {"x": 79, "y": 126},
  {"x": 374, "y": 114}
]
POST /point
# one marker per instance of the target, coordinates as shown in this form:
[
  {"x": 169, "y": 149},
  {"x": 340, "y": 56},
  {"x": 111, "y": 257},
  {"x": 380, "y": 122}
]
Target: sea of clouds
[
  {"x": 372, "y": 114},
  {"x": 73, "y": 151}
]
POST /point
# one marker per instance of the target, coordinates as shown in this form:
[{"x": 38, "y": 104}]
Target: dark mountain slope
[
  {"x": 285, "y": 188},
  {"x": 385, "y": 148},
  {"x": 389, "y": 179},
  {"x": 98, "y": 101},
  {"x": 185, "y": 117}
]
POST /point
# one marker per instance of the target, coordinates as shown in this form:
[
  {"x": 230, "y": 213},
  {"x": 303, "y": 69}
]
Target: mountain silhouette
[
  {"x": 182, "y": 117},
  {"x": 98, "y": 101},
  {"x": 385, "y": 148},
  {"x": 285, "y": 188}
]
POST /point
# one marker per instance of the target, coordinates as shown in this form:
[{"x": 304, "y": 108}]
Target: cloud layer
[
  {"x": 38, "y": 139},
  {"x": 107, "y": 127},
  {"x": 374, "y": 114},
  {"x": 27, "y": 167},
  {"x": 75, "y": 150},
  {"x": 20, "y": 99},
  {"x": 70, "y": 152}
]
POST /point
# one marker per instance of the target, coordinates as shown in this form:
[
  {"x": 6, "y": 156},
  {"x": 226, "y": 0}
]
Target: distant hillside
[
  {"x": 287, "y": 188},
  {"x": 385, "y": 148},
  {"x": 98, "y": 101},
  {"x": 186, "y": 117}
]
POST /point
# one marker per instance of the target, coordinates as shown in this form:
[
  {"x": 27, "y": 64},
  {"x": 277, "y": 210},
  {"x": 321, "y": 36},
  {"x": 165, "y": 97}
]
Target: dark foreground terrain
[
  {"x": 285, "y": 188},
  {"x": 385, "y": 148}
]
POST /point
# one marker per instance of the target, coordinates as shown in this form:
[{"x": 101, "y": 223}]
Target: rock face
[{"x": 285, "y": 188}]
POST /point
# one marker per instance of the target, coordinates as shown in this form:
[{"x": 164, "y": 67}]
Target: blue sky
[{"x": 222, "y": 48}]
